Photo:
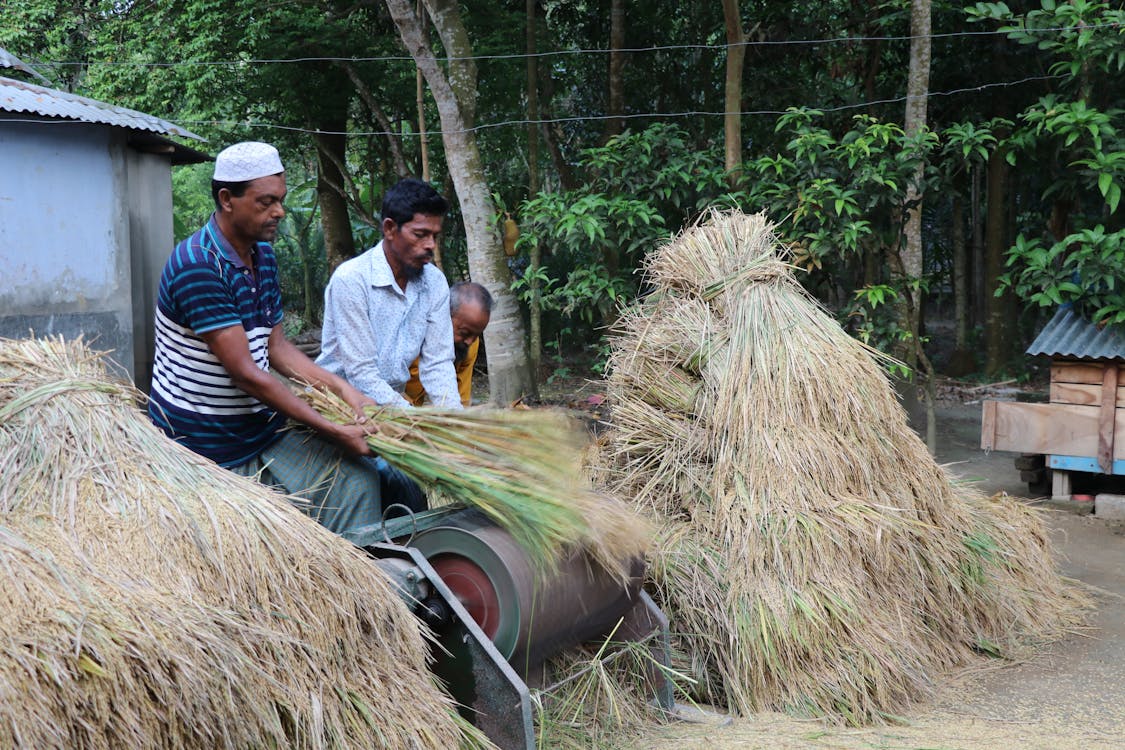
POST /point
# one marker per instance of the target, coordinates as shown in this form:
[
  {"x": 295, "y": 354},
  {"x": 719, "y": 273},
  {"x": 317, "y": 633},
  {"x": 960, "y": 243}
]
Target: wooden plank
[
  {"x": 1106, "y": 417},
  {"x": 1077, "y": 372},
  {"x": 1060, "y": 485},
  {"x": 1086, "y": 394},
  {"x": 1085, "y": 464},
  {"x": 988, "y": 425},
  {"x": 1065, "y": 429}
]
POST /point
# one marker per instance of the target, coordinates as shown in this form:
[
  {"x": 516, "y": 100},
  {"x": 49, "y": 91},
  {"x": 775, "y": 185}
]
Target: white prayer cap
[{"x": 245, "y": 161}]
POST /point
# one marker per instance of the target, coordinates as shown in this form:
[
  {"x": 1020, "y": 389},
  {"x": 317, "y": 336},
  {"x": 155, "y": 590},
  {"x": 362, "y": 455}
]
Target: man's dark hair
[
  {"x": 469, "y": 291},
  {"x": 237, "y": 189},
  {"x": 410, "y": 196}
]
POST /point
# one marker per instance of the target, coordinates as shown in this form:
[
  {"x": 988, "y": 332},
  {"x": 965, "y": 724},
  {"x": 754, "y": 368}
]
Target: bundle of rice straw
[
  {"x": 521, "y": 468},
  {"x": 152, "y": 599},
  {"x": 812, "y": 556}
]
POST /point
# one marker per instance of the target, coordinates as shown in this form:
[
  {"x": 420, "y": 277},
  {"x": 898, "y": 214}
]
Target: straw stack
[
  {"x": 813, "y": 558},
  {"x": 151, "y": 599}
]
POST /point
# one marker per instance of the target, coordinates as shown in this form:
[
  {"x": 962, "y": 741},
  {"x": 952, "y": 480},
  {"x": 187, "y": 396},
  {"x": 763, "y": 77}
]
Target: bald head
[{"x": 470, "y": 307}]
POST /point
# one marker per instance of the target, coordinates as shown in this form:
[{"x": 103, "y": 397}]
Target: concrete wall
[
  {"x": 82, "y": 218},
  {"x": 149, "y": 204}
]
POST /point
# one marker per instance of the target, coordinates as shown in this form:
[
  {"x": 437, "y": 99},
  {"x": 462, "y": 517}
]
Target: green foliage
[
  {"x": 970, "y": 142},
  {"x": 1082, "y": 33},
  {"x": 302, "y": 267},
  {"x": 593, "y": 238},
  {"x": 871, "y": 318},
  {"x": 579, "y": 232},
  {"x": 838, "y": 195},
  {"x": 837, "y": 184},
  {"x": 192, "y": 203},
  {"x": 1083, "y": 269},
  {"x": 1082, "y": 143}
]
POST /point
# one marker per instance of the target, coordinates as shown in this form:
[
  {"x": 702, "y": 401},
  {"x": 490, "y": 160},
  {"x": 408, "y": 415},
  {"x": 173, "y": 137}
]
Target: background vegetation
[{"x": 601, "y": 132}]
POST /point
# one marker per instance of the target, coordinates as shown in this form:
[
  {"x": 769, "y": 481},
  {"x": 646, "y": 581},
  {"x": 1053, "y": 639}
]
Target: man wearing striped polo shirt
[{"x": 218, "y": 334}]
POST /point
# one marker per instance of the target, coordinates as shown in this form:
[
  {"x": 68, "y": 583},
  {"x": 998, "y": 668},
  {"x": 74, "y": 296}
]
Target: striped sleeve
[{"x": 196, "y": 293}]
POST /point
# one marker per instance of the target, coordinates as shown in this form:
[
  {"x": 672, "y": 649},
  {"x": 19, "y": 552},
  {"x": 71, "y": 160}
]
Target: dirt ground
[{"x": 1069, "y": 695}]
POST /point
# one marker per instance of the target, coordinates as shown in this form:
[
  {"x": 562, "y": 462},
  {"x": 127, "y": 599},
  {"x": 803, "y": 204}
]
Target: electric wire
[
  {"x": 573, "y": 52},
  {"x": 232, "y": 124}
]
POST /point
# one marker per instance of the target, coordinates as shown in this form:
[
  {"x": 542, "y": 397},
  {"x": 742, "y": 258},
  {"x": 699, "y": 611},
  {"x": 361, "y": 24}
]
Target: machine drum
[{"x": 528, "y": 616}]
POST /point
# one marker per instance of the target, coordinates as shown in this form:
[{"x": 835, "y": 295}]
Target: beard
[
  {"x": 267, "y": 232},
  {"x": 460, "y": 352}
]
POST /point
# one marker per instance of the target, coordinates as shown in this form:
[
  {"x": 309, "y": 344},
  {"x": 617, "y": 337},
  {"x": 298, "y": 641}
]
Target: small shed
[
  {"x": 1082, "y": 428},
  {"x": 85, "y": 217}
]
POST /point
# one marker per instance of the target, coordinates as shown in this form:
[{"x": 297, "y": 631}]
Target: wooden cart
[{"x": 1082, "y": 429}]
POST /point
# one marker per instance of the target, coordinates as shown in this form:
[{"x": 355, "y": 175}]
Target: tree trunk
[
  {"x": 960, "y": 276},
  {"x": 999, "y": 324},
  {"x": 507, "y": 348},
  {"x": 462, "y": 69},
  {"x": 535, "y": 312},
  {"x": 732, "y": 116},
  {"x": 1000, "y": 312},
  {"x": 976, "y": 249},
  {"x": 871, "y": 71},
  {"x": 616, "y": 107},
  {"x": 962, "y": 361},
  {"x": 532, "y": 103},
  {"x": 917, "y": 94},
  {"x": 339, "y": 245},
  {"x": 1059, "y": 222},
  {"x": 552, "y": 136},
  {"x": 420, "y": 103}
]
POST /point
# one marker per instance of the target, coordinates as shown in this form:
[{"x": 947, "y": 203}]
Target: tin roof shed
[
  {"x": 39, "y": 102},
  {"x": 85, "y": 217},
  {"x": 8, "y": 60},
  {"x": 1069, "y": 335}
]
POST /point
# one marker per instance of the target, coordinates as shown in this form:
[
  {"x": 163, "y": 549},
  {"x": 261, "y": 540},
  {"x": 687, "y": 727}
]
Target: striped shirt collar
[{"x": 228, "y": 252}]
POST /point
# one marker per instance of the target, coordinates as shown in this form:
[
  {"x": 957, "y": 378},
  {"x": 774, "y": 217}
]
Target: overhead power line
[
  {"x": 584, "y": 118},
  {"x": 570, "y": 52},
  {"x": 629, "y": 116}
]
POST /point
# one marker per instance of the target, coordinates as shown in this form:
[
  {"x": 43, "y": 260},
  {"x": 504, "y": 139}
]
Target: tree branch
[{"x": 368, "y": 98}]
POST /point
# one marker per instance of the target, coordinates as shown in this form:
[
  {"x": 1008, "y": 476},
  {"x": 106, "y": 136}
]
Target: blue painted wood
[{"x": 1082, "y": 463}]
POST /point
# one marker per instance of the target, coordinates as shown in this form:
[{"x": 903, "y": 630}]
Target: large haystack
[
  {"x": 814, "y": 558},
  {"x": 151, "y": 599}
]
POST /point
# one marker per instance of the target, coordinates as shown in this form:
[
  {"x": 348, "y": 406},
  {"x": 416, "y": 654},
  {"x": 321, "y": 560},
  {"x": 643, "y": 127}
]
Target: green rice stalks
[{"x": 520, "y": 468}]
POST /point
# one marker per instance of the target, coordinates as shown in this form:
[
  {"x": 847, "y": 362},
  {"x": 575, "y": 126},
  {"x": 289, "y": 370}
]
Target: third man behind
[{"x": 470, "y": 307}]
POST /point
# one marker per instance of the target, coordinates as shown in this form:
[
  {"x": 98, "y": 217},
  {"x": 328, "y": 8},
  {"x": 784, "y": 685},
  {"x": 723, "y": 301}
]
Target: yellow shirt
[{"x": 415, "y": 394}]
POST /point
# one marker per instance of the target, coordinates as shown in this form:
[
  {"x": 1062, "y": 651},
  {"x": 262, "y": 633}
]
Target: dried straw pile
[
  {"x": 152, "y": 599},
  {"x": 813, "y": 556}
]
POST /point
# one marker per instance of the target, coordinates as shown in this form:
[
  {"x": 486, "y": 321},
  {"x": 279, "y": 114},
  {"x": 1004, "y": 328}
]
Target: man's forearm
[
  {"x": 275, "y": 394},
  {"x": 293, "y": 363},
  {"x": 230, "y": 347}
]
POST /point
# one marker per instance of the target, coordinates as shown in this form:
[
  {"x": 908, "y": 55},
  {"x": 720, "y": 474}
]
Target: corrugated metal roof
[
  {"x": 8, "y": 60},
  {"x": 1068, "y": 334},
  {"x": 17, "y": 96}
]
